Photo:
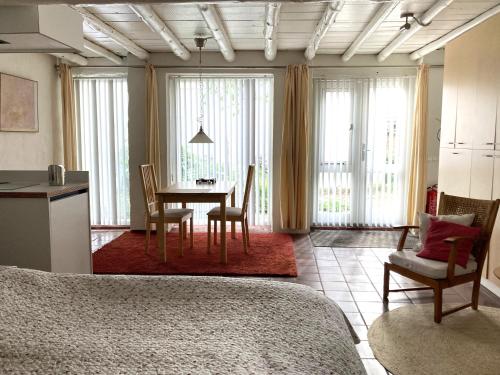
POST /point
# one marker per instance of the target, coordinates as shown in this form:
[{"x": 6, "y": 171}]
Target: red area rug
[{"x": 269, "y": 254}]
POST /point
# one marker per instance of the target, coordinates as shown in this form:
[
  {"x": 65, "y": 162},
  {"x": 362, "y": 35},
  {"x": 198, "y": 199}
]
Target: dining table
[{"x": 192, "y": 192}]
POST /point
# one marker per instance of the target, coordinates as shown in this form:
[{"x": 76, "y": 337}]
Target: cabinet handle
[
  {"x": 488, "y": 156},
  {"x": 456, "y": 153},
  {"x": 451, "y": 143},
  {"x": 461, "y": 143},
  {"x": 489, "y": 143}
]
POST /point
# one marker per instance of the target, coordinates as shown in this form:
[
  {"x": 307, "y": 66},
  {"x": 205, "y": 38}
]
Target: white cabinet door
[
  {"x": 454, "y": 171},
  {"x": 70, "y": 234},
  {"x": 481, "y": 176},
  {"x": 485, "y": 106},
  {"x": 468, "y": 68},
  {"x": 449, "y": 106}
]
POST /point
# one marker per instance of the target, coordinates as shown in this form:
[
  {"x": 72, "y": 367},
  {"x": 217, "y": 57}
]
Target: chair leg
[
  {"x": 244, "y": 232},
  {"x": 181, "y": 238},
  {"x": 386, "y": 282},
  {"x": 438, "y": 304},
  {"x": 215, "y": 232},
  {"x": 475, "y": 293},
  {"x": 247, "y": 232},
  {"x": 148, "y": 235},
  {"x": 191, "y": 230},
  {"x": 209, "y": 235}
]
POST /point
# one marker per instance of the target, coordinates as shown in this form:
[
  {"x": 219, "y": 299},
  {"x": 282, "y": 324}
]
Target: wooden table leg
[
  {"x": 233, "y": 223},
  {"x": 160, "y": 229},
  {"x": 223, "y": 249},
  {"x": 184, "y": 226}
]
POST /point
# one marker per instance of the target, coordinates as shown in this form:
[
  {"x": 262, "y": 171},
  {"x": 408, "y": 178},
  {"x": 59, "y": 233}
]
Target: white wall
[
  {"x": 34, "y": 150},
  {"x": 245, "y": 62}
]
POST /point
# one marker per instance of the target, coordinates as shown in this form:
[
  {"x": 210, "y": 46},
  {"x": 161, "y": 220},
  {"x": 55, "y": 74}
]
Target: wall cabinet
[
  {"x": 455, "y": 171},
  {"x": 481, "y": 175},
  {"x": 469, "y": 164}
]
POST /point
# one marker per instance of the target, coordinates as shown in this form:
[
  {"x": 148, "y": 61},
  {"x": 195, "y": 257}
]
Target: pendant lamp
[{"x": 200, "y": 137}]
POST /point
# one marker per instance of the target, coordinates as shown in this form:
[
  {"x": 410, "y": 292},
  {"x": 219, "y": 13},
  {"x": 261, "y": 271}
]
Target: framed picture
[{"x": 18, "y": 104}]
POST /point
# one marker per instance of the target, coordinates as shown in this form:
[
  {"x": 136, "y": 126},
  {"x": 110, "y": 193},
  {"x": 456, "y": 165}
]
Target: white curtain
[
  {"x": 361, "y": 137},
  {"x": 238, "y": 117},
  {"x": 102, "y": 139}
]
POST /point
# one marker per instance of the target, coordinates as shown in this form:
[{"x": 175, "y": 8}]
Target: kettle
[{"x": 56, "y": 175}]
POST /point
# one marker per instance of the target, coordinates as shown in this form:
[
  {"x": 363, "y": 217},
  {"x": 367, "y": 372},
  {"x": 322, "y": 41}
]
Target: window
[
  {"x": 362, "y": 135},
  {"x": 238, "y": 117},
  {"x": 102, "y": 141}
]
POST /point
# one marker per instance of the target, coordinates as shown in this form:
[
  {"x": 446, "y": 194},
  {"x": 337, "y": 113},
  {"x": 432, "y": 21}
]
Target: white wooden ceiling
[{"x": 244, "y": 23}]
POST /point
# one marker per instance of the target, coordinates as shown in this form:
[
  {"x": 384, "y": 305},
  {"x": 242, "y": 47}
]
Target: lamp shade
[{"x": 201, "y": 137}]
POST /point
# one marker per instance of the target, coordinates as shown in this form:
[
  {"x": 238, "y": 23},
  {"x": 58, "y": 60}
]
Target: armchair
[{"x": 437, "y": 275}]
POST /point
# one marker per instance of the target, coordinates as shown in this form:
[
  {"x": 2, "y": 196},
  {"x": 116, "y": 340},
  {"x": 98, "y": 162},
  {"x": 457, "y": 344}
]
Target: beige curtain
[
  {"x": 295, "y": 150},
  {"x": 152, "y": 121},
  {"x": 418, "y": 158},
  {"x": 68, "y": 117}
]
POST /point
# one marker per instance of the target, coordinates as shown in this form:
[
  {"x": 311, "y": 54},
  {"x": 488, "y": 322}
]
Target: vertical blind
[
  {"x": 362, "y": 137},
  {"x": 102, "y": 139},
  {"x": 238, "y": 117}
]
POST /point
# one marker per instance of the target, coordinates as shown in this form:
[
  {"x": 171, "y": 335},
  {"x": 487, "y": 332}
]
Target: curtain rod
[{"x": 257, "y": 67}]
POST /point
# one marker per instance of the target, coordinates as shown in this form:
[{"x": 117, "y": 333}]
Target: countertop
[{"x": 43, "y": 190}]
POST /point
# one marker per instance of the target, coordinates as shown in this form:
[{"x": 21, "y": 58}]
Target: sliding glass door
[
  {"x": 362, "y": 137},
  {"x": 238, "y": 117},
  {"x": 102, "y": 139}
]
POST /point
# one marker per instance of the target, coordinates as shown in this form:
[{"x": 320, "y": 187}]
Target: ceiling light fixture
[
  {"x": 407, "y": 25},
  {"x": 200, "y": 137}
]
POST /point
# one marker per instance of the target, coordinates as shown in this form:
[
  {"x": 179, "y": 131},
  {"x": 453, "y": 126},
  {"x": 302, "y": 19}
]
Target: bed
[{"x": 62, "y": 323}]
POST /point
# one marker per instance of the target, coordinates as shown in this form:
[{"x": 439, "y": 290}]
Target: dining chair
[
  {"x": 438, "y": 275},
  {"x": 172, "y": 215},
  {"x": 234, "y": 214}
]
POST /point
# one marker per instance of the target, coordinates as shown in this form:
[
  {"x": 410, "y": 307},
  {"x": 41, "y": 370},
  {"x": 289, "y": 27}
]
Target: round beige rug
[{"x": 408, "y": 342}]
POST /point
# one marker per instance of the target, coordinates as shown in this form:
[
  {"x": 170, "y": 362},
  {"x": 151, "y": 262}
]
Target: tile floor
[{"x": 353, "y": 278}]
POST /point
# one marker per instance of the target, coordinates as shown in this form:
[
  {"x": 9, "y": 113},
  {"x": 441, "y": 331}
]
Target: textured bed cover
[{"x": 62, "y": 323}]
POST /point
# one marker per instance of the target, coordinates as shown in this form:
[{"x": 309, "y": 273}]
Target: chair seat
[
  {"x": 427, "y": 267},
  {"x": 231, "y": 212},
  {"x": 175, "y": 213}
]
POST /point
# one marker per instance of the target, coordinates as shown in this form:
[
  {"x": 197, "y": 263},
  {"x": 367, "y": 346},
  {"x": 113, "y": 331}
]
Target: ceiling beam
[
  {"x": 441, "y": 42},
  {"x": 271, "y": 30},
  {"x": 104, "y": 2},
  {"x": 72, "y": 58},
  {"x": 101, "y": 51},
  {"x": 382, "y": 13},
  {"x": 333, "y": 8},
  {"x": 403, "y": 36},
  {"x": 148, "y": 15},
  {"x": 115, "y": 35},
  {"x": 214, "y": 22}
]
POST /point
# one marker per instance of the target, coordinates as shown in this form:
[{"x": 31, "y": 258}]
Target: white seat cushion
[
  {"x": 428, "y": 267},
  {"x": 174, "y": 213},
  {"x": 230, "y": 212}
]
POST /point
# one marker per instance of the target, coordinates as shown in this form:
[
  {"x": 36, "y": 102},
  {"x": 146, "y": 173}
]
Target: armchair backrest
[{"x": 485, "y": 215}]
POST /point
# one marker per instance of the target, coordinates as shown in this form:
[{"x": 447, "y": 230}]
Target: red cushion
[{"x": 435, "y": 247}]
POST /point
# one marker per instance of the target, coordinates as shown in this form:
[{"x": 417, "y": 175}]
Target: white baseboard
[{"x": 492, "y": 287}]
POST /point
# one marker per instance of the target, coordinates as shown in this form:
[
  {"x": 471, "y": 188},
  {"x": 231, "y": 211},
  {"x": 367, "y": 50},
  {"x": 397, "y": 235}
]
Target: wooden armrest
[
  {"x": 404, "y": 234},
  {"x": 405, "y": 227},
  {"x": 453, "y": 241}
]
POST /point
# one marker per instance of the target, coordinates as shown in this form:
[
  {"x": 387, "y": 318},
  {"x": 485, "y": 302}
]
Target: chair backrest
[
  {"x": 149, "y": 187},
  {"x": 485, "y": 215},
  {"x": 248, "y": 187}
]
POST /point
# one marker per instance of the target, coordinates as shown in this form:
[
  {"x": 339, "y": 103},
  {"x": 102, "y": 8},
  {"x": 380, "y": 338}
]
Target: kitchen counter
[
  {"x": 43, "y": 190},
  {"x": 45, "y": 227}
]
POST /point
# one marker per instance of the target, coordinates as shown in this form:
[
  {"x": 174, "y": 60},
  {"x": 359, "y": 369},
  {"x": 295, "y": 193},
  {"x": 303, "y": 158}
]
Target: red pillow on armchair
[{"x": 435, "y": 247}]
